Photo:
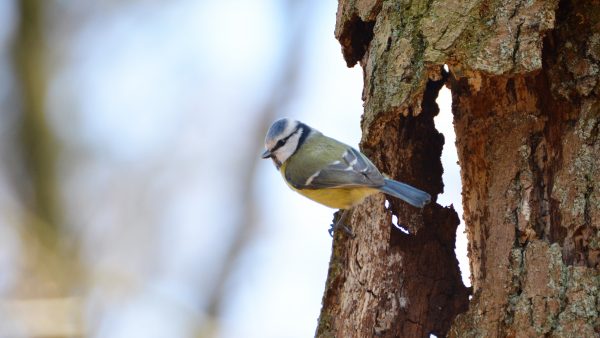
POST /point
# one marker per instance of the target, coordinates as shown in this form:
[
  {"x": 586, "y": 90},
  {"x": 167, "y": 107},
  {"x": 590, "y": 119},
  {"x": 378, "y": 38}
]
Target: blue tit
[{"x": 328, "y": 171}]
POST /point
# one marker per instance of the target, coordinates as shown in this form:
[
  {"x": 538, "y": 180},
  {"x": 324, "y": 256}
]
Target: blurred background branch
[
  {"x": 281, "y": 93},
  {"x": 50, "y": 269},
  {"x": 37, "y": 151}
]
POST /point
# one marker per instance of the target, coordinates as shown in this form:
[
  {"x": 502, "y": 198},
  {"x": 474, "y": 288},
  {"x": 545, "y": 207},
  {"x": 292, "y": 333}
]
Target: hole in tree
[
  {"x": 398, "y": 225},
  {"x": 451, "y": 177}
]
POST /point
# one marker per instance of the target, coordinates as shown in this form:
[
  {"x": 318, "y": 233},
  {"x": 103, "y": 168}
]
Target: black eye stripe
[{"x": 281, "y": 142}]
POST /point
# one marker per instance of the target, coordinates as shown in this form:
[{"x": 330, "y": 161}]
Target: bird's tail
[{"x": 405, "y": 192}]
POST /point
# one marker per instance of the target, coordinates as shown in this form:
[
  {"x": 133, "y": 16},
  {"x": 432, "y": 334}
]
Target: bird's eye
[{"x": 279, "y": 144}]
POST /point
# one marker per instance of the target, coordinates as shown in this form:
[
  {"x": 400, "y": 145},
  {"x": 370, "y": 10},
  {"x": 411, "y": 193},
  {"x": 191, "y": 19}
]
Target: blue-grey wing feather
[{"x": 352, "y": 170}]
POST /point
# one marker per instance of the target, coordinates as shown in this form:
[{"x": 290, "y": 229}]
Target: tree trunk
[{"x": 524, "y": 80}]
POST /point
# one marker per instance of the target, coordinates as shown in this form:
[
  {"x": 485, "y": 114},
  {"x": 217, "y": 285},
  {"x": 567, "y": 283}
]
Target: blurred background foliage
[
  {"x": 132, "y": 199},
  {"x": 133, "y": 202}
]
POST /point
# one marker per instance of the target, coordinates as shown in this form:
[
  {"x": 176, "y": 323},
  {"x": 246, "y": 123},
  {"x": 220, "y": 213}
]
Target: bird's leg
[{"x": 340, "y": 224}]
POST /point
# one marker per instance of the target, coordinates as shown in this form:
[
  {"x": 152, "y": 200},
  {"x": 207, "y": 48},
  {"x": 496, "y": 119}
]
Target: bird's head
[{"x": 283, "y": 139}]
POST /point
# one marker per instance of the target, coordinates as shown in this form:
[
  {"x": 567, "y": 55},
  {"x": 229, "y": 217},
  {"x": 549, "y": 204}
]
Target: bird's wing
[{"x": 353, "y": 169}]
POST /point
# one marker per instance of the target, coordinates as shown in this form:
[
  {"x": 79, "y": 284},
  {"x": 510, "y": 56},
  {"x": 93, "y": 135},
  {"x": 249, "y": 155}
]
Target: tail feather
[{"x": 407, "y": 193}]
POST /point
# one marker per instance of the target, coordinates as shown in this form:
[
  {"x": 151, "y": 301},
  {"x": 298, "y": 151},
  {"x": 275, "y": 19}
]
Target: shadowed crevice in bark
[
  {"x": 355, "y": 37},
  {"x": 429, "y": 250},
  {"x": 354, "y": 27},
  {"x": 406, "y": 285}
]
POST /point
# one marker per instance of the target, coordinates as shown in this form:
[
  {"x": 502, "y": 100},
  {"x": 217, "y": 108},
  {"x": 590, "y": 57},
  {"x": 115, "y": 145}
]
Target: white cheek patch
[{"x": 289, "y": 148}]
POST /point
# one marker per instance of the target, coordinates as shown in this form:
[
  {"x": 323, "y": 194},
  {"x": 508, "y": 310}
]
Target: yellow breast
[{"x": 338, "y": 198}]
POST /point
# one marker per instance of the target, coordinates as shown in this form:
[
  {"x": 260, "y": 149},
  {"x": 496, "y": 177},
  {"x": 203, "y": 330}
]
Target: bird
[{"x": 328, "y": 171}]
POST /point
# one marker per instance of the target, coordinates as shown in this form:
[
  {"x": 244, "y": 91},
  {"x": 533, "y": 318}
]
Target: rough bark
[
  {"x": 528, "y": 145},
  {"x": 524, "y": 80}
]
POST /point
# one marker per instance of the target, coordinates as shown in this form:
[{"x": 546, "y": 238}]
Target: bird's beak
[{"x": 266, "y": 154}]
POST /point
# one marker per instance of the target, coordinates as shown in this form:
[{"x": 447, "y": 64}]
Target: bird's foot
[
  {"x": 347, "y": 230},
  {"x": 340, "y": 225}
]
